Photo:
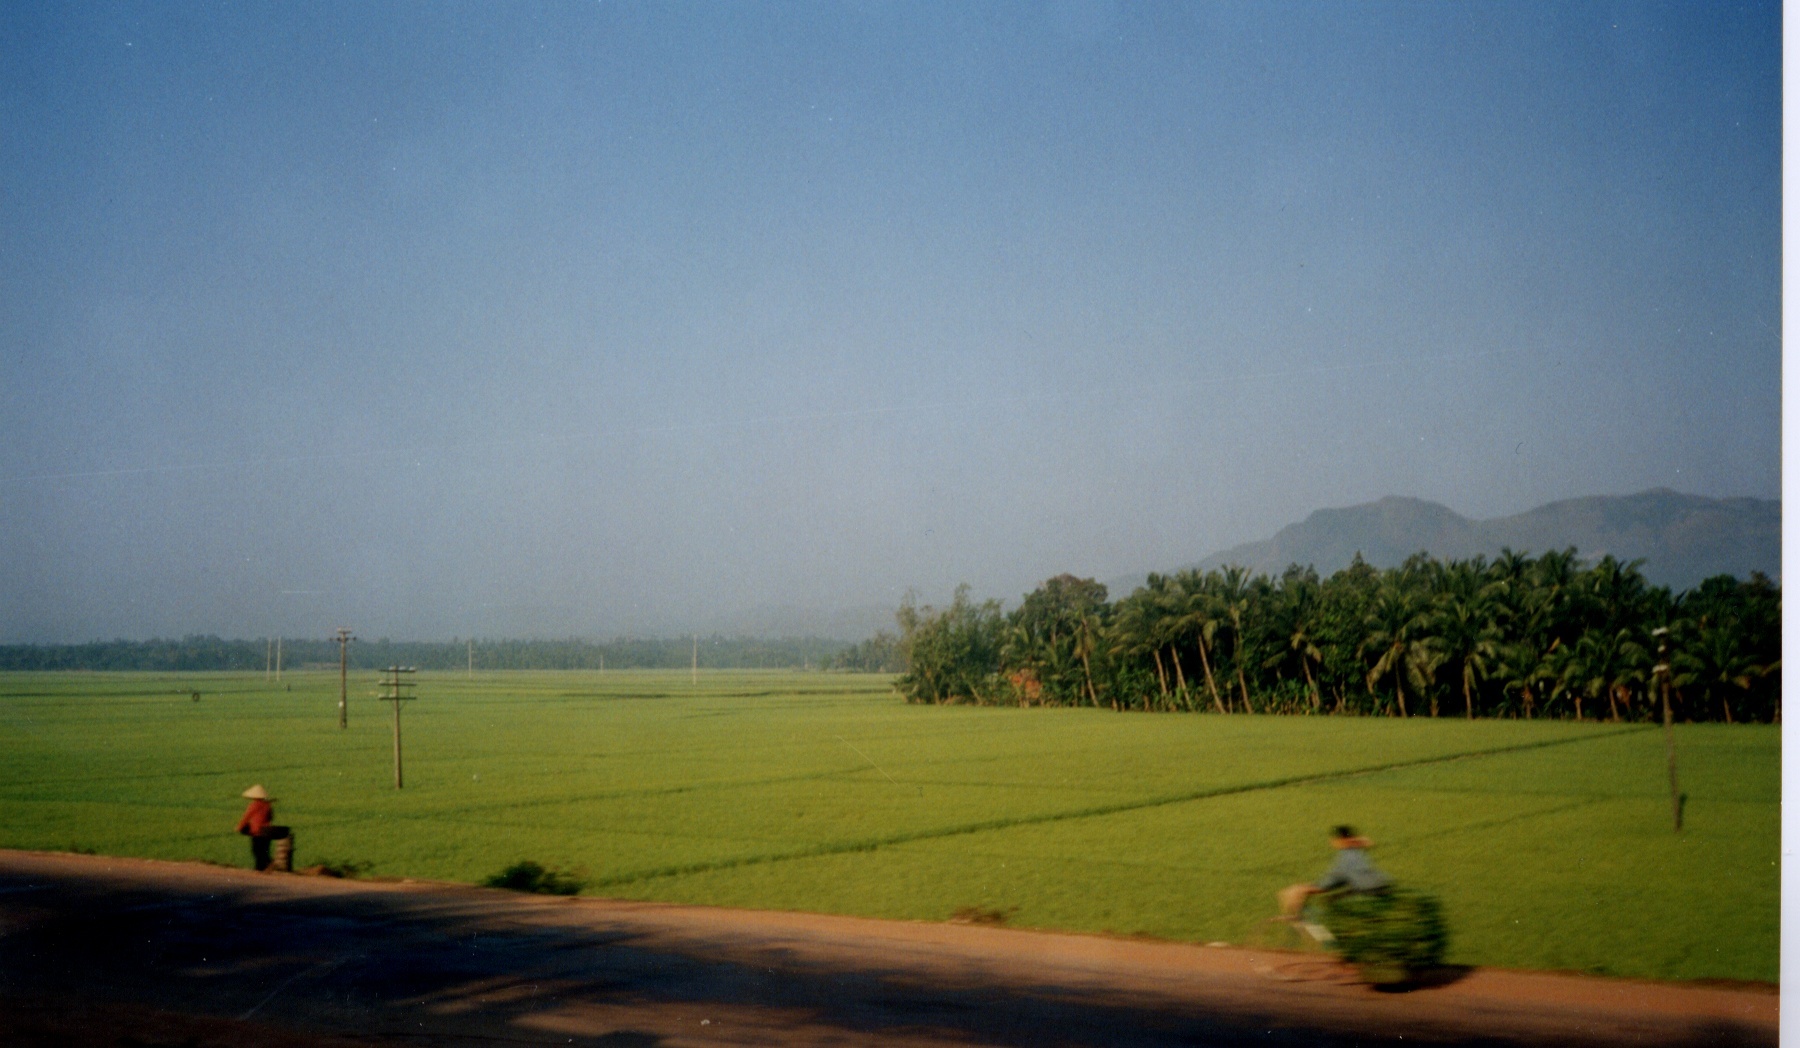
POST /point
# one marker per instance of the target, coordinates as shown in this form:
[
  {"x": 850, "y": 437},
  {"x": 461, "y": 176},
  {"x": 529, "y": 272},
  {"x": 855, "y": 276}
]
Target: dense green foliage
[
  {"x": 528, "y": 876},
  {"x": 1392, "y": 936},
  {"x": 1547, "y": 841},
  {"x": 879, "y": 654},
  {"x": 1517, "y": 637},
  {"x": 197, "y": 654}
]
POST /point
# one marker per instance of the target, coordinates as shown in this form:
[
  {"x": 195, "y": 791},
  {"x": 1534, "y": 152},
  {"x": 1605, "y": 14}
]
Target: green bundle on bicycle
[{"x": 1391, "y": 934}]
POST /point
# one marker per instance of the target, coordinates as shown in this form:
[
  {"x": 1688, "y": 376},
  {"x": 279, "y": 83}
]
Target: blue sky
[{"x": 597, "y": 318}]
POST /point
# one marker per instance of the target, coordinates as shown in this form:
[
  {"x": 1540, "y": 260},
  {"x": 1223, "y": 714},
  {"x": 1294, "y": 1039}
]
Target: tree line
[
  {"x": 1517, "y": 636},
  {"x": 200, "y": 653},
  {"x": 881, "y": 653}
]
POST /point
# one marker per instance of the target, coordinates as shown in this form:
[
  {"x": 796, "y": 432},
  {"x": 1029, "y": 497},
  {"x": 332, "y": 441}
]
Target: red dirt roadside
[{"x": 104, "y": 951}]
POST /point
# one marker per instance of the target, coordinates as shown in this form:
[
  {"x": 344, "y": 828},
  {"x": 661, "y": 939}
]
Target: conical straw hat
[{"x": 257, "y": 793}]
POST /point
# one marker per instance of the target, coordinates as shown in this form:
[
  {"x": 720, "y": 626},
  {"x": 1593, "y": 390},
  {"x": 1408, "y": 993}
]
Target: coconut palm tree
[
  {"x": 1230, "y": 587},
  {"x": 1395, "y": 634},
  {"x": 1300, "y": 642},
  {"x": 1293, "y": 611},
  {"x": 1467, "y": 638},
  {"x": 1609, "y": 664},
  {"x": 1134, "y": 630},
  {"x": 1509, "y": 567},
  {"x": 1196, "y": 610},
  {"x": 1523, "y": 670},
  {"x": 1086, "y": 641},
  {"x": 1713, "y": 659}
]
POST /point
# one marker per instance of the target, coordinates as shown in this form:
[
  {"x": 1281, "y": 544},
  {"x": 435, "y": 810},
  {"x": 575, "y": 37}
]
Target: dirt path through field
[{"x": 103, "y": 951}]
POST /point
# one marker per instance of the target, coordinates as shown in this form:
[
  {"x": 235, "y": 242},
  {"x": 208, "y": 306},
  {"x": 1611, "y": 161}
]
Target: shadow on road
[
  {"x": 1442, "y": 975},
  {"x": 463, "y": 966}
]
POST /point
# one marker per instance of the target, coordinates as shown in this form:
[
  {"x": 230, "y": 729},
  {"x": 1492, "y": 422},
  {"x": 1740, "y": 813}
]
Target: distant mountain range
[{"x": 1682, "y": 539}]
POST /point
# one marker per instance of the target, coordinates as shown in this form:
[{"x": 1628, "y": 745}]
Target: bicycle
[{"x": 1389, "y": 937}]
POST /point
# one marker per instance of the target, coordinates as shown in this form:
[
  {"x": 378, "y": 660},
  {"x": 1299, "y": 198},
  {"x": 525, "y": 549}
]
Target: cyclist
[{"x": 1352, "y": 871}]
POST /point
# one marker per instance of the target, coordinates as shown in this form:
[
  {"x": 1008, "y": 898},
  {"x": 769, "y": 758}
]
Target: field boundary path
[{"x": 106, "y": 951}]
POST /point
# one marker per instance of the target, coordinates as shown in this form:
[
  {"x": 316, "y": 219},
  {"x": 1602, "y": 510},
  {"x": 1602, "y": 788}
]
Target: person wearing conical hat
[
  {"x": 258, "y": 825},
  {"x": 1350, "y": 871}
]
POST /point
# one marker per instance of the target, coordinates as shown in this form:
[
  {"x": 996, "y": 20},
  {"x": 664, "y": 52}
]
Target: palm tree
[
  {"x": 1170, "y": 609},
  {"x": 1395, "y": 633},
  {"x": 1300, "y": 642},
  {"x": 1617, "y": 584},
  {"x": 1524, "y": 671},
  {"x": 1198, "y": 610},
  {"x": 1727, "y": 645},
  {"x": 1509, "y": 566},
  {"x": 1086, "y": 638},
  {"x": 1556, "y": 568},
  {"x": 1293, "y": 615},
  {"x": 1058, "y": 661},
  {"x": 1606, "y": 663},
  {"x": 1181, "y": 686},
  {"x": 1564, "y": 678},
  {"x": 1019, "y": 651},
  {"x": 1231, "y": 587},
  {"x": 1133, "y": 630},
  {"x": 1549, "y": 596},
  {"x": 1713, "y": 659},
  {"x": 1467, "y": 638}
]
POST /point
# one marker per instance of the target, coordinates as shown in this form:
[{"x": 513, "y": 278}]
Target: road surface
[{"x": 105, "y": 951}]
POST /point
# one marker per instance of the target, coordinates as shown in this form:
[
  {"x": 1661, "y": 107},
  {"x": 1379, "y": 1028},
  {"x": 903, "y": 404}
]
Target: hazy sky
[{"x": 597, "y": 318}]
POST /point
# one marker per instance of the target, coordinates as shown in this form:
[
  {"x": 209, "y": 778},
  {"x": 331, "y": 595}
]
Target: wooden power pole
[
  {"x": 344, "y": 637},
  {"x": 1663, "y": 670},
  {"x": 395, "y": 687}
]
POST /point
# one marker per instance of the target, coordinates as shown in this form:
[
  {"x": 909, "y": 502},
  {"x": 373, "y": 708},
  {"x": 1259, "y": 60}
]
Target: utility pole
[
  {"x": 278, "y": 660},
  {"x": 394, "y": 689},
  {"x": 1661, "y": 633},
  {"x": 471, "y": 658},
  {"x": 694, "y": 670},
  {"x": 344, "y": 637}
]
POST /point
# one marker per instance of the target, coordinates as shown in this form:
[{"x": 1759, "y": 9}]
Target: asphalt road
[{"x": 102, "y": 951}]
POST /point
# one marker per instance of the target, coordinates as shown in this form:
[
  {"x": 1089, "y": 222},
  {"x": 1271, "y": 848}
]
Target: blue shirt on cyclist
[{"x": 1352, "y": 869}]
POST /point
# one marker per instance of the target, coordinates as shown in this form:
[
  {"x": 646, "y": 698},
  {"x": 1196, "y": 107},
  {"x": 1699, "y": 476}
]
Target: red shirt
[{"x": 256, "y": 818}]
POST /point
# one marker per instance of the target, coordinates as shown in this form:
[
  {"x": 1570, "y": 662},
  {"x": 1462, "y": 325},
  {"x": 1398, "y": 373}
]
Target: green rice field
[{"x": 1549, "y": 842}]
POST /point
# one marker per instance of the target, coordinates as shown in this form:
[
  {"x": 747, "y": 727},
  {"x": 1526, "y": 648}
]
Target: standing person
[
  {"x": 1352, "y": 870},
  {"x": 258, "y": 824}
]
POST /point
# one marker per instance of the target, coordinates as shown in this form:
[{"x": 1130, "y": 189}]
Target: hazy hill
[{"x": 1682, "y": 539}]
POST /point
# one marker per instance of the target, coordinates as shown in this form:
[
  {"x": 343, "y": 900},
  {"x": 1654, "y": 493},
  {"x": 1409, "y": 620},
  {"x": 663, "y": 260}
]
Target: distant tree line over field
[
  {"x": 203, "y": 653},
  {"x": 1515, "y": 637},
  {"x": 881, "y": 653}
]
